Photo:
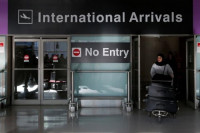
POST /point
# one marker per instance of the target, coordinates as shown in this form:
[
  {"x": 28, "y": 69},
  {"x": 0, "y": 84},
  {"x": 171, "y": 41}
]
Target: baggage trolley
[{"x": 162, "y": 101}]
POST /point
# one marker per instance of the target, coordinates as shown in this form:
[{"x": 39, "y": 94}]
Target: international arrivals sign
[
  {"x": 108, "y": 18},
  {"x": 98, "y": 52},
  {"x": 100, "y": 17}
]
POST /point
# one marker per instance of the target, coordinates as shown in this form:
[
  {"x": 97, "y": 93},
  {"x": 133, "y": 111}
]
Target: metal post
[
  {"x": 139, "y": 88},
  {"x": 128, "y": 87},
  {"x": 72, "y": 87}
]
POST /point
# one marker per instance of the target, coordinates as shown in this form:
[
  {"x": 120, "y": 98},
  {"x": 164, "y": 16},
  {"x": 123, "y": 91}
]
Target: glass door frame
[
  {"x": 193, "y": 105},
  {"x": 54, "y": 102},
  {"x": 136, "y": 40},
  {"x": 197, "y": 72},
  {"x": 25, "y": 101}
]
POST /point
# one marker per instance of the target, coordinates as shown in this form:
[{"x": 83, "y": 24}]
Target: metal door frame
[
  {"x": 53, "y": 102},
  {"x": 138, "y": 69},
  {"x": 196, "y": 71},
  {"x": 193, "y": 105},
  {"x": 25, "y": 101}
]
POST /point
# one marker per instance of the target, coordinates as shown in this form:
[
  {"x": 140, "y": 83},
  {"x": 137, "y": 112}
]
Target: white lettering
[
  {"x": 100, "y": 18},
  {"x": 126, "y": 53},
  {"x": 105, "y": 52},
  {"x": 166, "y": 18},
  {"x": 82, "y": 19},
  {"x": 179, "y": 18},
  {"x": 74, "y": 18},
  {"x": 59, "y": 18},
  {"x": 53, "y": 17},
  {"x": 39, "y": 17},
  {"x": 91, "y": 52},
  {"x": 95, "y": 52},
  {"x": 44, "y": 18},
  {"x": 158, "y": 17},
  {"x": 92, "y": 17},
  {"x": 109, "y": 18},
  {"x": 88, "y": 51},
  {"x": 133, "y": 17}
]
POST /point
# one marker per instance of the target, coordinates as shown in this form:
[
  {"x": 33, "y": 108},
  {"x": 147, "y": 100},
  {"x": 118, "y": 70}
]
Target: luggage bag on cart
[
  {"x": 161, "y": 99},
  {"x": 162, "y": 104},
  {"x": 161, "y": 92}
]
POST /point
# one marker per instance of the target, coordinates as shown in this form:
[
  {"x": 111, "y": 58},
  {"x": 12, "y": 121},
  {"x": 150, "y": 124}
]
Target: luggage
[
  {"x": 161, "y": 92},
  {"x": 161, "y": 99},
  {"x": 153, "y": 103},
  {"x": 167, "y": 84}
]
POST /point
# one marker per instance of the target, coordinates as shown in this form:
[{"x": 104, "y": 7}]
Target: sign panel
[
  {"x": 1, "y": 47},
  {"x": 98, "y": 52},
  {"x": 100, "y": 17}
]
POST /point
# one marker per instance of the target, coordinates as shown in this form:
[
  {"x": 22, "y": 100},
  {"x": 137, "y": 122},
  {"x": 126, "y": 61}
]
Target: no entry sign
[
  {"x": 76, "y": 52},
  {"x": 100, "y": 52},
  {"x": 55, "y": 58},
  {"x": 26, "y": 58}
]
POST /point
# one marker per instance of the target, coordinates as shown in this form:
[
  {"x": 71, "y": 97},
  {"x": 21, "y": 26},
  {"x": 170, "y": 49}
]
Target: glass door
[
  {"x": 55, "y": 68},
  {"x": 190, "y": 73},
  {"x": 197, "y": 53},
  {"x": 3, "y": 68},
  {"x": 26, "y": 71}
]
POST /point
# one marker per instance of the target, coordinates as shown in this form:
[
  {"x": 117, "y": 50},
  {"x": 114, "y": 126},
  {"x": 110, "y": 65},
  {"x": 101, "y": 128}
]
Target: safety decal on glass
[
  {"x": 1, "y": 47},
  {"x": 26, "y": 58},
  {"x": 55, "y": 58},
  {"x": 198, "y": 47}
]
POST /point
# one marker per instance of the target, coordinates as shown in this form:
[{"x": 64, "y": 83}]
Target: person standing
[{"x": 160, "y": 70}]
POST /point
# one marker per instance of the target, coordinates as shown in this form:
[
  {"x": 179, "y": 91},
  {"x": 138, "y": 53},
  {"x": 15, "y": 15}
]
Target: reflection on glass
[
  {"x": 198, "y": 85},
  {"x": 26, "y": 84},
  {"x": 55, "y": 84},
  {"x": 2, "y": 84},
  {"x": 191, "y": 86},
  {"x": 100, "y": 84},
  {"x": 55, "y": 54},
  {"x": 26, "y": 54},
  {"x": 191, "y": 55}
]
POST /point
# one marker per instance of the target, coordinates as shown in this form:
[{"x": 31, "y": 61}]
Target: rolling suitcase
[{"x": 160, "y": 83}]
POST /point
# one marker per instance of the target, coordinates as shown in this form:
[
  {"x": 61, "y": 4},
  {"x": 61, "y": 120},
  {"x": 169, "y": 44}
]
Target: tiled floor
[{"x": 56, "y": 119}]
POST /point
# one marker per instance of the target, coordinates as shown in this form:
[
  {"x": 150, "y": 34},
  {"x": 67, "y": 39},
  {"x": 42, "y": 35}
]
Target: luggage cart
[{"x": 161, "y": 99}]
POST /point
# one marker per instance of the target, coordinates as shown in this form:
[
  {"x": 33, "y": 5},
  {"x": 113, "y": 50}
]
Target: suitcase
[
  {"x": 162, "y": 84},
  {"x": 154, "y": 103},
  {"x": 161, "y": 92}
]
